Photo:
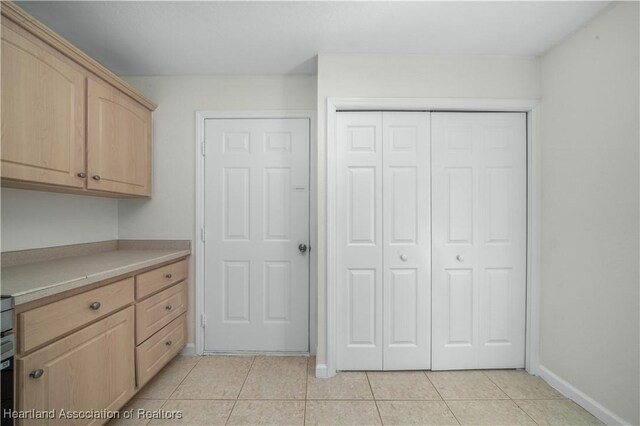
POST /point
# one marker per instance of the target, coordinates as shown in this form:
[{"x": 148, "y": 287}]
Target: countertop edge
[{"x": 54, "y": 289}]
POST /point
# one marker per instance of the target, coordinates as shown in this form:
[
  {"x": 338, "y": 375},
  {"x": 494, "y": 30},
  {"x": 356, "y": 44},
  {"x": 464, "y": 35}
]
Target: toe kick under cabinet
[{"x": 94, "y": 350}]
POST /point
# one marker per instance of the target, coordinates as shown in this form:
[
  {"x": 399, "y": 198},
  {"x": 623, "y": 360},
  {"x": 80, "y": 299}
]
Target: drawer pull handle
[
  {"x": 168, "y": 275},
  {"x": 36, "y": 374},
  {"x": 95, "y": 306},
  {"x": 168, "y": 342},
  {"x": 168, "y": 307}
]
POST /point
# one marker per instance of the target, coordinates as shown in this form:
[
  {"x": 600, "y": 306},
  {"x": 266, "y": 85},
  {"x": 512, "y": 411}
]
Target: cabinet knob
[
  {"x": 36, "y": 374},
  {"x": 168, "y": 343},
  {"x": 168, "y": 275},
  {"x": 403, "y": 257},
  {"x": 95, "y": 306},
  {"x": 459, "y": 258},
  {"x": 95, "y": 177},
  {"x": 82, "y": 175},
  {"x": 168, "y": 307}
]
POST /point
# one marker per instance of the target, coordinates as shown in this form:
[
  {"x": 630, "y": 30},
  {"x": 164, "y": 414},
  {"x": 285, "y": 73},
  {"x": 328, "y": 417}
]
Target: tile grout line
[
  {"x": 240, "y": 391},
  {"x": 375, "y": 401},
  {"x": 528, "y": 415},
  {"x": 443, "y": 400},
  {"x": 184, "y": 378},
  {"x": 508, "y": 396},
  {"x": 306, "y": 393}
]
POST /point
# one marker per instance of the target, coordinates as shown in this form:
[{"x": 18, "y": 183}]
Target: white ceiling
[{"x": 264, "y": 37}]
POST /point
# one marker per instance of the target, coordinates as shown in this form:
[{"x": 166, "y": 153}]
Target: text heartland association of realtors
[{"x": 92, "y": 414}]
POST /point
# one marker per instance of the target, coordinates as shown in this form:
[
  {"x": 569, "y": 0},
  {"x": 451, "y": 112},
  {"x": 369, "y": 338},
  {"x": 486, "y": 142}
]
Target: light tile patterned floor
[{"x": 252, "y": 390}]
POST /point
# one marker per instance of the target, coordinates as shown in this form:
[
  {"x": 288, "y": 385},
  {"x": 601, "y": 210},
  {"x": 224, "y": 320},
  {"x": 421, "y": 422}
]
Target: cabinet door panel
[
  {"x": 92, "y": 369},
  {"x": 118, "y": 142},
  {"x": 43, "y": 114}
]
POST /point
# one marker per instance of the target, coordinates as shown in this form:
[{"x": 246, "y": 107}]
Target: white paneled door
[
  {"x": 479, "y": 240},
  {"x": 257, "y": 233},
  {"x": 383, "y": 275}
]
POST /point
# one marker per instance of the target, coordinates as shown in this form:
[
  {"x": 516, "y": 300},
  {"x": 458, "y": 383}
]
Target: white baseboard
[
  {"x": 580, "y": 397},
  {"x": 321, "y": 371},
  {"x": 189, "y": 349}
]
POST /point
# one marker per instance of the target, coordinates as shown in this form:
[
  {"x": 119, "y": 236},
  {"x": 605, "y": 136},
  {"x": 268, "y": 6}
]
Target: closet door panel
[
  {"x": 360, "y": 241},
  {"x": 406, "y": 234},
  {"x": 479, "y": 240}
]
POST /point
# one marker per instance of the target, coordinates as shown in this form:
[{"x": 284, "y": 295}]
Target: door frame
[
  {"x": 528, "y": 106},
  {"x": 198, "y": 232}
]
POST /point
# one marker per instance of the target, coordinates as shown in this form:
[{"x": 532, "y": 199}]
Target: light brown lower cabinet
[
  {"x": 90, "y": 370},
  {"x": 91, "y": 352}
]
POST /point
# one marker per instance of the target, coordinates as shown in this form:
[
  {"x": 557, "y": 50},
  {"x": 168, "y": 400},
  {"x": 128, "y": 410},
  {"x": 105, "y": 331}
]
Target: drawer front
[
  {"x": 47, "y": 322},
  {"x": 159, "y": 310},
  {"x": 159, "y": 349},
  {"x": 157, "y": 279}
]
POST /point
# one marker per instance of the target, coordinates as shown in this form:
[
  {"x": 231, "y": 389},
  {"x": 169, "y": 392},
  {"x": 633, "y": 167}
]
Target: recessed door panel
[
  {"x": 362, "y": 307},
  {"x": 460, "y": 306},
  {"x": 404, "y": 209},
  {"x": 362, "y": 205},
  {"x": 277, "y": 203},
  {"x": 236, "y": 291},
  {"x": 236, "y": 188},
  {"x": 403, "y": 318},
  {"x": 459, "y": 209},
  {"x": 277, "y": 291}
]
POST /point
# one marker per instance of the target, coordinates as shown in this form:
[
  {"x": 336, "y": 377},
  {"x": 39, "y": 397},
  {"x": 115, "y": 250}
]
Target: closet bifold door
[
  {"x": 479, "y": 240},
  {"x": 406, "y": 221},
  {"x": 360, "y": 241},
  {"x": 383, "y": 241}
]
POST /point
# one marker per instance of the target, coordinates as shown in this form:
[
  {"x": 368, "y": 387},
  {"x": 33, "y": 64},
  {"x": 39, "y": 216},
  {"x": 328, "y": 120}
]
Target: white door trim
[
  {"x": 198, "y": 249},
  {"x": 531, "y": 107}
]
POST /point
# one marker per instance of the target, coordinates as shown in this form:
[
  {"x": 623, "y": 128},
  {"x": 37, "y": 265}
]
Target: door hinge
[
  {"x": 202, "y": 234},
  {"x": 203, "y": 320},
  {"x": 203, "y": 148}
]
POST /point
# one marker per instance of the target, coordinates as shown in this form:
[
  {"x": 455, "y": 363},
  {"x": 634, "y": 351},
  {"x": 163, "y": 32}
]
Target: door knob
[
  {"x": 403, "y": 257},
  {"x": 303, "y": 248},
  {"x": 459, "y": 258}
]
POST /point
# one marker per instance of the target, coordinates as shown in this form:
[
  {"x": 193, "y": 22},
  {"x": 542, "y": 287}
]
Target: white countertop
[{"x": 33, "y": 281}]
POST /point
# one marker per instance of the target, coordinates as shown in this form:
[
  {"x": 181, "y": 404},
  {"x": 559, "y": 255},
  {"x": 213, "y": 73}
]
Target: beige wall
[
  {"x": 32, "y": 219},
  {"x": 170, "y": 213},
  {"x": 589, "y": 133},
  {"x": 412, "y": 77}
]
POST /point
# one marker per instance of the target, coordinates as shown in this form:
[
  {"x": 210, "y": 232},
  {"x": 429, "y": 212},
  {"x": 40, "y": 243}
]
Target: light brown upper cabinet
[
  {"x": 43, "y": 109},
  {"x": 68, "y": 123},
  {"x": 118, "y": 142}
]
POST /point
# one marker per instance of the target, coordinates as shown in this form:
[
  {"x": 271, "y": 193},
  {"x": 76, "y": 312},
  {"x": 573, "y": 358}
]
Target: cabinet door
[
  {"x": 92, "y": 369},
  {"x": 118, "y": 142},
  {"x": 43, "y": 113}
]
